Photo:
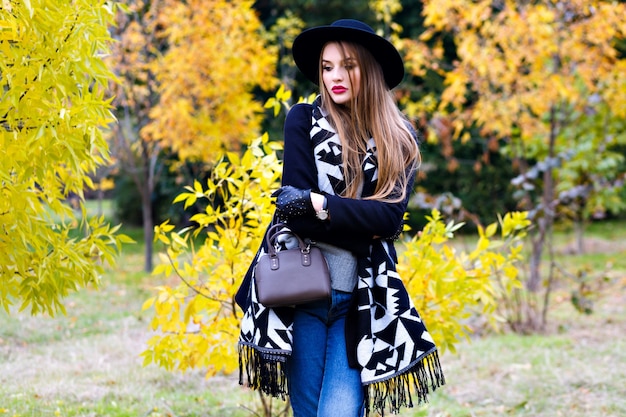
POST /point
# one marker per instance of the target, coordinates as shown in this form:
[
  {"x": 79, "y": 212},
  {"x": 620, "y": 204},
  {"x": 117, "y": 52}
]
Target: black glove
[{"x": 293, "y": 202}]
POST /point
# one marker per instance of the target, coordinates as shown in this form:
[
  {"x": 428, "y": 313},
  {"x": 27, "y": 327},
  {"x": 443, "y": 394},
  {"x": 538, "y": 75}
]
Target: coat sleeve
[{"x": 298, "y": 162}]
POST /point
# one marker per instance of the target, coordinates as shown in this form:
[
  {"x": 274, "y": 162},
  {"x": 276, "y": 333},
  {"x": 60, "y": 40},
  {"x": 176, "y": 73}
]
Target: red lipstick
[{"x": 338, "y": 89}]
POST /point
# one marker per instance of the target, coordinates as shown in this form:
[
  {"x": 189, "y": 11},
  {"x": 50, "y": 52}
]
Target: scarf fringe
[
  {"x": 264, "y": 371},
  {"x": 424, "y": 377}
]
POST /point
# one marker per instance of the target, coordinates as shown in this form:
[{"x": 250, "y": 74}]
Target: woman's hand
[{"x": 293, "y": 202}]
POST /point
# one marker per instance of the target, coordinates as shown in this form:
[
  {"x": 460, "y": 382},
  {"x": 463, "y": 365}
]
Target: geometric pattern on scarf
[
  {"x": 327, "y": 150},
  {"x": 396, "y": 336},
  {"x": 389, "y": 343}
]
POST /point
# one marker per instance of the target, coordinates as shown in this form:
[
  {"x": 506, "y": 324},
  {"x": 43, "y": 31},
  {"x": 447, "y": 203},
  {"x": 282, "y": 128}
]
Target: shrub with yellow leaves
[
  {"x": 449, "y": 286},
  {"x": 197, "y": 318}
]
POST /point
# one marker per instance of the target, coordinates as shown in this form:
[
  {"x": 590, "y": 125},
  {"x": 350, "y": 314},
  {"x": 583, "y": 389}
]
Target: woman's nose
[{"x": 338, "y": 73}]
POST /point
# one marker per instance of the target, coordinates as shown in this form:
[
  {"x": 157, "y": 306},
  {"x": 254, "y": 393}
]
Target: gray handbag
[{"x": 291, "y": 276}]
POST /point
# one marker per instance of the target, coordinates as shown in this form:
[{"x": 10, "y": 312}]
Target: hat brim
[{"x": 307, "y": 48}]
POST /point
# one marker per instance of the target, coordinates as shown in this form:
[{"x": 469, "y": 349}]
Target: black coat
[{"x": 353, "y": 222}]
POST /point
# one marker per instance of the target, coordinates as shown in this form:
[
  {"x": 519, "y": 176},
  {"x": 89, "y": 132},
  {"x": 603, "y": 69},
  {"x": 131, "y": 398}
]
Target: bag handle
[{"x": 272, "y": 233}]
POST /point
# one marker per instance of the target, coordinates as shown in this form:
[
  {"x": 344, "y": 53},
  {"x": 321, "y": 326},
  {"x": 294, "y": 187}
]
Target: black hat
[{"x": 307, "y": 48}]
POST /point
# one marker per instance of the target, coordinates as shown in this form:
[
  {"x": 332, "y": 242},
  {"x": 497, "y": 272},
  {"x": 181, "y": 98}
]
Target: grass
[
  {"x": 575, "y": 372},
  {"x": 87, "y": 363}
]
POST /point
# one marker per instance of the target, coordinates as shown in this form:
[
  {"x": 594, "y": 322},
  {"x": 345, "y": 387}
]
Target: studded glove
[{"x": 293, "y": 202}]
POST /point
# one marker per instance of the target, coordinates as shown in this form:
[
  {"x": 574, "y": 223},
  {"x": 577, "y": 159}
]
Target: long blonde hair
[{"x": 373, "y": 113}]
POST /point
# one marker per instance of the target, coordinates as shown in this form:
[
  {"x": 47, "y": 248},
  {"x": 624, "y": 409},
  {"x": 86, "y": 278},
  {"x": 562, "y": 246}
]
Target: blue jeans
[{"x": 321, "y": 384}]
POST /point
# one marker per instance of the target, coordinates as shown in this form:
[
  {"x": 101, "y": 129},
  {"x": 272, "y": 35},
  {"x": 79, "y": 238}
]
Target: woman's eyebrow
[{"x": 347, "y": 59}]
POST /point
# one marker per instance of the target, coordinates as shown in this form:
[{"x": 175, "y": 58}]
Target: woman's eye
[
  {"x": 326, "y": 68},
  {"x": 349, "y": 67}
]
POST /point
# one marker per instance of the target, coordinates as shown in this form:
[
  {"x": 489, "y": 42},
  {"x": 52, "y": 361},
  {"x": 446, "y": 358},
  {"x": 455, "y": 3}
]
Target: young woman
[{"x": 349, "y": 165}]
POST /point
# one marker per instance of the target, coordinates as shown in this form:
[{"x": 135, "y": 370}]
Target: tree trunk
[
  {"x": 579, "y": 230},
  {"x": 148, "y": 229},
  {"x": 146, "y": 208},
  {"x": 547, "y": 214},
  {"x": 534, "y": 279},
  {"x": 100, "y": 198}
]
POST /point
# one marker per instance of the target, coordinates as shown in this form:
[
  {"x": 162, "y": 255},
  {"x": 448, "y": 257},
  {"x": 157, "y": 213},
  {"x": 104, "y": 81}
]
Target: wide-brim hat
[{"x": 307, "y": 48}]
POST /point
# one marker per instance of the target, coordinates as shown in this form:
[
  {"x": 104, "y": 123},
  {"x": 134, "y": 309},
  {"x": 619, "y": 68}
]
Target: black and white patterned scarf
[{"x": 389, "y": 343}]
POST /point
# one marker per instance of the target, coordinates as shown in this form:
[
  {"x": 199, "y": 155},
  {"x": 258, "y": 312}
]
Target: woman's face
[{"x": 341, "y": 75}]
